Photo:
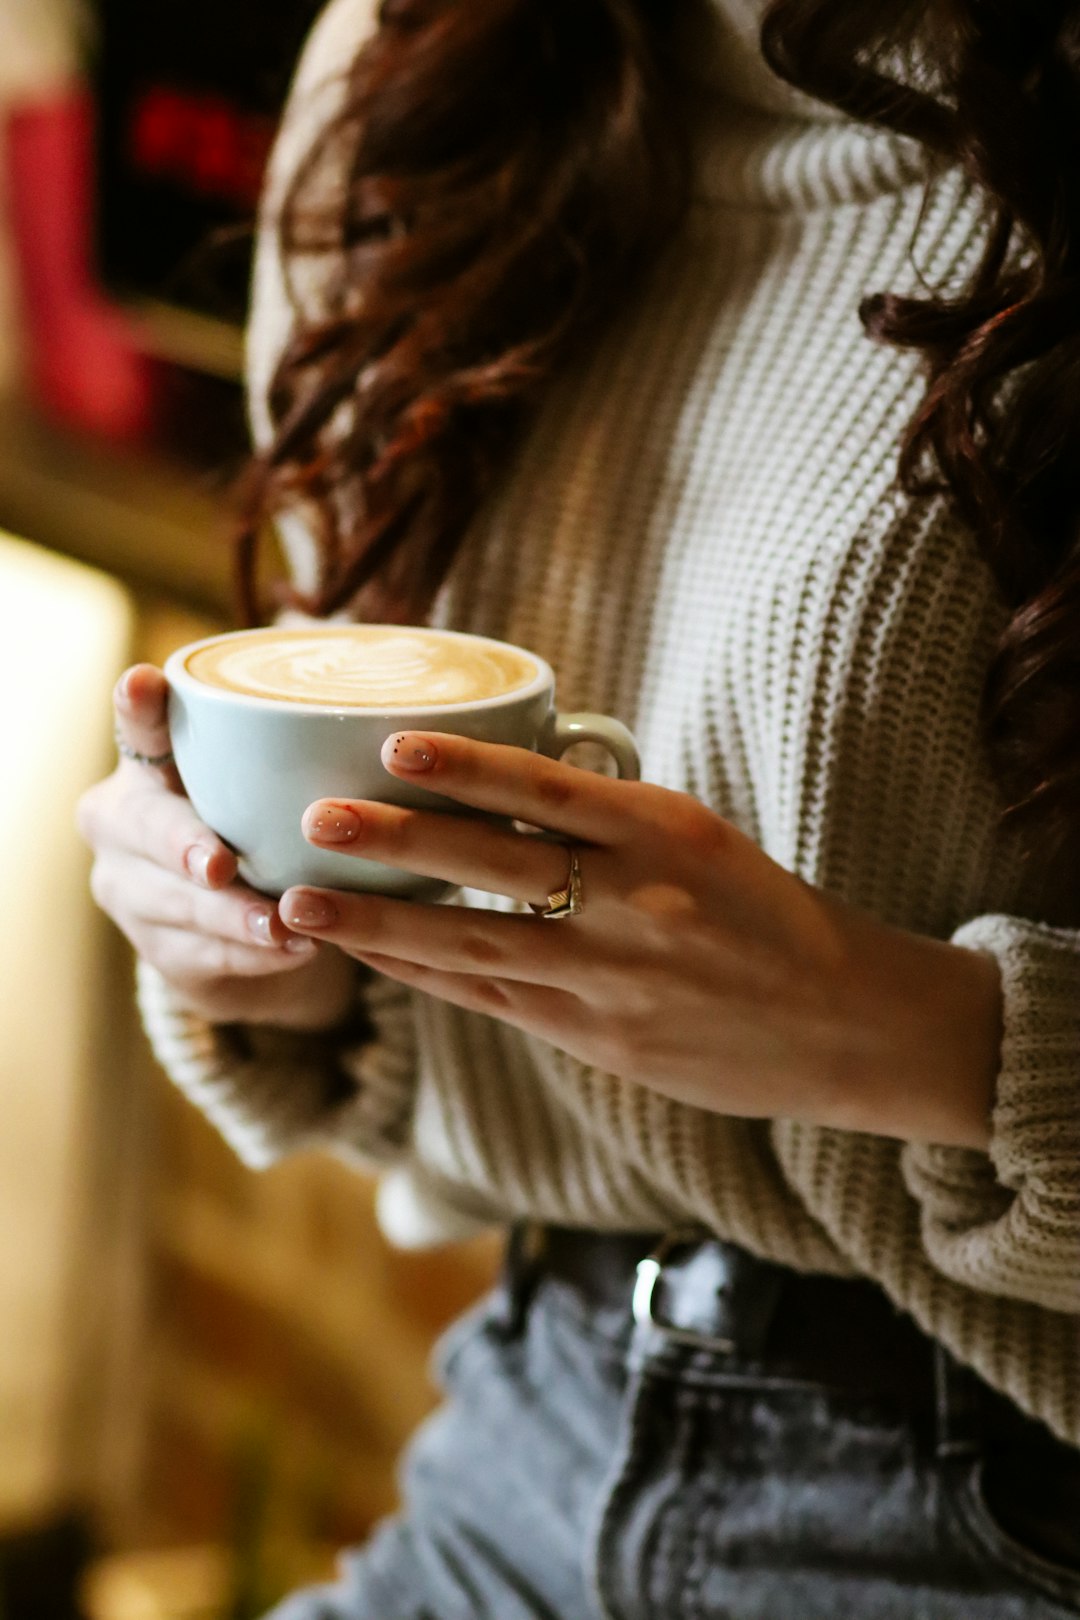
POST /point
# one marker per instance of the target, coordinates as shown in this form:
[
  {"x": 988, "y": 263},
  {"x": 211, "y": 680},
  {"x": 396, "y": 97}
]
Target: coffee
[
  {"x": 265, "y": 722},
  {"x": 362, "y": 666}
]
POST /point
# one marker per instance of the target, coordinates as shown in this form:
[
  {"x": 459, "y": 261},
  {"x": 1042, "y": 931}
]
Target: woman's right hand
[{"x": 169, "y": 884}]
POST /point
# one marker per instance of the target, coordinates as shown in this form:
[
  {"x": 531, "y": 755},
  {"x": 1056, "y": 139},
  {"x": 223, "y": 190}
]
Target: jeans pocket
[
  {"x": 450, "y": 1352},
  {"x": 1026, "y": 1523}
]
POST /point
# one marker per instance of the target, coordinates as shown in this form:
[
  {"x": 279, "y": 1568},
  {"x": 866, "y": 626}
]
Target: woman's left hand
[{"x": 698, "y": 966}]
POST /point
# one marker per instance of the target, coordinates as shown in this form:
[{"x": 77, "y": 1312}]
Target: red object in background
[
  {"x": 82, "y": 362},
  {"x": 200, "y": 142}
]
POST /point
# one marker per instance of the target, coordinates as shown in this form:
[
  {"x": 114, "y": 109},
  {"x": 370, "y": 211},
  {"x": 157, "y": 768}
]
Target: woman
[{"x": 556, "y": 337}]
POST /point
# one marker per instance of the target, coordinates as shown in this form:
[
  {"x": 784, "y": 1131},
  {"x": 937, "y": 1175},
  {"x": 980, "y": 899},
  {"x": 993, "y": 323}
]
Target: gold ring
[{"x": 568, "y": 901}]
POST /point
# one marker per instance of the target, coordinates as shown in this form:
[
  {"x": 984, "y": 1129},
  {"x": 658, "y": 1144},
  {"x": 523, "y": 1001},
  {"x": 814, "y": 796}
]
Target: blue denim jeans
[{"x": 584, "y": 1467}]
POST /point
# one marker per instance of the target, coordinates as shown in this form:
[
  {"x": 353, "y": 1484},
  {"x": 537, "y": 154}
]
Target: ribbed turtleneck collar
[
  {"x": 720, "y": 40},
  {"x": 767, "y": 145}
]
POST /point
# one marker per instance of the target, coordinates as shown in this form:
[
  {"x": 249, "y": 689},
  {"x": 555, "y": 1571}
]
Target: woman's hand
[
  {"x": 169, "y": 884},
  {"x": 698, "y": 966}
]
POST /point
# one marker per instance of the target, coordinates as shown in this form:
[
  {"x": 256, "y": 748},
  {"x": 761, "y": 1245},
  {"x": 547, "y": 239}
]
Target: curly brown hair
[
  {"x": 499, "y": 174},
  {"x": 502, "y": 172}
]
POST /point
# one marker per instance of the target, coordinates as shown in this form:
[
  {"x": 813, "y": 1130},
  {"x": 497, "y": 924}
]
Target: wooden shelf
[{"x": 132, "y": 513}]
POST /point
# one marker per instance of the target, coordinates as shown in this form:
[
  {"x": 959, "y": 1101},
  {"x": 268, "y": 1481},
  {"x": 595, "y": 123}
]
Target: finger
[
  {"x": 140, "y": 704},
  {"x": 158, "y": 825},
  {"x": 189, "y": 958},
  {"x": 553, "y": 1015},
  {"x": 237, "y": 915},
  {"x": 463, "y": 850},
  {"x": 455, "y": 939},
  {"x": 515, "y": 782}
]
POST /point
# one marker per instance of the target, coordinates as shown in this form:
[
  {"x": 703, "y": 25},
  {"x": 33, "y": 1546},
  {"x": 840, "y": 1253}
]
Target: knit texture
[{"x": 702, "y": 535}]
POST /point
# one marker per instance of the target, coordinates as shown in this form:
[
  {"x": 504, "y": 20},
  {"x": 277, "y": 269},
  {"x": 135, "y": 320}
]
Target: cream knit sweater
[{"x": 702, "y": 536}]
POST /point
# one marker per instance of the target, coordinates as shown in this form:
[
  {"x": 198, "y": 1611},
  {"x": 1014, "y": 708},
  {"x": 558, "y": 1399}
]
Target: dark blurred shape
[
  {"x": 188, "y": 95},
  {"x": 41, "y": 1569}
]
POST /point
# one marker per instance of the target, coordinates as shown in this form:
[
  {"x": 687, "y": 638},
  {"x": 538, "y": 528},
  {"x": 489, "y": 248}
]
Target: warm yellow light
[{"x": 65, "y": 631}]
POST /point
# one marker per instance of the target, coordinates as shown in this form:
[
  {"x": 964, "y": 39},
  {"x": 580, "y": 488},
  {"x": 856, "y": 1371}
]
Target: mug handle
[{"x": 563, "y": 730}]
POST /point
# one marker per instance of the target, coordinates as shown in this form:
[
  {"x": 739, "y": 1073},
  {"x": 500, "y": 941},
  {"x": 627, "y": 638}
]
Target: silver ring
[
  {"x": 568, "y": 901},
  {"x": 143, "y": 759}
]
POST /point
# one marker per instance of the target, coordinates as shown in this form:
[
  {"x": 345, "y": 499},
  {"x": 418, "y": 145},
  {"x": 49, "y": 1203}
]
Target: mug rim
[{"x": 179, "y": 676}]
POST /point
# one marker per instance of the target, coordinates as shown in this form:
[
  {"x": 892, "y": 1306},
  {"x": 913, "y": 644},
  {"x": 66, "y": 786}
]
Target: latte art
[{"x": 362, "y": 666}]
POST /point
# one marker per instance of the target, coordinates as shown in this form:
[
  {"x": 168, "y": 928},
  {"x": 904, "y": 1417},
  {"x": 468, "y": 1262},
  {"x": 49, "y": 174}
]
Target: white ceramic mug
[{"x": 252, "y": 765}]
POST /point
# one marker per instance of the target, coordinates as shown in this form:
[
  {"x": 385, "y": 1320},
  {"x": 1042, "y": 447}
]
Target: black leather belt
[
  {"x": 694, "y": 1291},
  {"x": 701, "y": 1293}
]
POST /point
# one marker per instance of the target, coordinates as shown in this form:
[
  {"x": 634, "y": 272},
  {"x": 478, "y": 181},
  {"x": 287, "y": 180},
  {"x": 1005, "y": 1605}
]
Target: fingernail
[
  {"x": 259, "y": 924},
  {"x": 197, "y": 860},
  {"x": 299, "y": 947},
  {"x": 332, "y": 824},
  {"x": 307, "y": 909},
  {"x": 409, "y": 752}
]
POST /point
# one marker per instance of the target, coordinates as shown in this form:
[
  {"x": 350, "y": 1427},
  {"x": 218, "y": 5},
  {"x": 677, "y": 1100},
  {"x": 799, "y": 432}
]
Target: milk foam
[{"x": 360, "y": 666}]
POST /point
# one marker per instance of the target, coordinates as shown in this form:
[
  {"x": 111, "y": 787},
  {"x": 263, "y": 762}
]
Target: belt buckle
[{"x": 649, "y": 1272}]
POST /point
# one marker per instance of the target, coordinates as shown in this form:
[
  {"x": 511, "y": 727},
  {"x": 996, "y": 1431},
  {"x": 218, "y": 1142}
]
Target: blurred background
[{"x": 205, "y": 1374}]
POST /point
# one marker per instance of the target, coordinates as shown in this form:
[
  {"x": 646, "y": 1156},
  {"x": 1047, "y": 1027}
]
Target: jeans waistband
[
  {"x": 706, "y": 1323},
  {"x": 697, "y": 1294}
]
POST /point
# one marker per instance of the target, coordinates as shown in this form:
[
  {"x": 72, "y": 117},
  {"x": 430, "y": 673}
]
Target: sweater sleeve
[
  {"x": 273, "y": 1091},
  {"x": 1007, "y": 1222}
]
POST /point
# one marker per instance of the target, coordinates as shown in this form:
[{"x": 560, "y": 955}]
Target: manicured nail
[
  {"x": 197, "y": 860},
  {"x": 299, "y": 947},
  {"x": 409, "y": 752},
  {"x": 308, "y": 909},
  {"x": 332, "y": 824},
  {"x": 259, "y": 925}
]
